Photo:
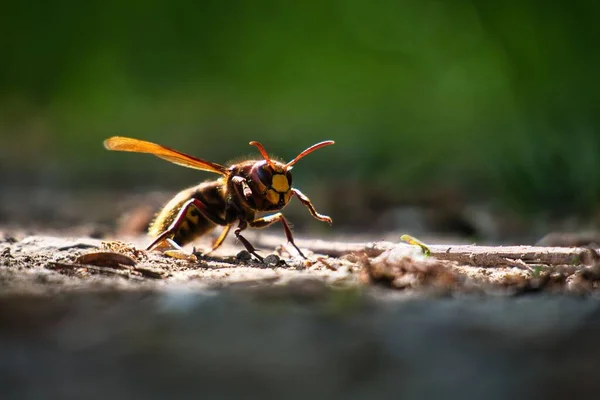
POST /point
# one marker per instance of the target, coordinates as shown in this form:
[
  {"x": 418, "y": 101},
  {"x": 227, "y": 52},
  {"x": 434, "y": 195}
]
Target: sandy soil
[
  {"x": 39, "y": 263},
  {"x": 96, "y": 319}
]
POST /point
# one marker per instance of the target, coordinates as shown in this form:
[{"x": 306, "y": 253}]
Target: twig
[
  {"x": 482, "y": 256},
  {"x": 490, "y": 256}
]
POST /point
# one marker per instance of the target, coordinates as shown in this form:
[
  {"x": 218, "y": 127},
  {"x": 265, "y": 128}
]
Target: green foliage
[{"x": 498, "y": 97}]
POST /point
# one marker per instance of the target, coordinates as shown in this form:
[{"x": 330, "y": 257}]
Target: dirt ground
[
  {"x": 51, "y": 262},
  {"x": 89, "y": 317}
]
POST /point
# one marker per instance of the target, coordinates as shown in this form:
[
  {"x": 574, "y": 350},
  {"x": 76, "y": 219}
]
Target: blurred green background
[{"x": 488, "y": 102}]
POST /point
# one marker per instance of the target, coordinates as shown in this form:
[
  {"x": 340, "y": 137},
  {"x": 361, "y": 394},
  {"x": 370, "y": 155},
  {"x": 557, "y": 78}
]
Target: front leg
[
  {"x": 243, "y": 225},
  {"x": 306, "y": 201},
  {"x": 238, "y": 180},
  {"x": 271, "y": 219}
]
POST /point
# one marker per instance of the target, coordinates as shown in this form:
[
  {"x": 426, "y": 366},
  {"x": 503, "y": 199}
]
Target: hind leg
[
  {"x": 170, "y": 248},
  {"x": 165, "y": 243}
]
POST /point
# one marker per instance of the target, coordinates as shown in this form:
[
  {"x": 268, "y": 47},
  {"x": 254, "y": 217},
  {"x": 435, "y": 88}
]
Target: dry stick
[
  {"x": 490, "y": 256},
  {"x": 481, "y": 256}
]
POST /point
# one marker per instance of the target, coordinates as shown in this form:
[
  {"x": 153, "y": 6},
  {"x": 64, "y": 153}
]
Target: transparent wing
[{"x": 119, "y": 143}]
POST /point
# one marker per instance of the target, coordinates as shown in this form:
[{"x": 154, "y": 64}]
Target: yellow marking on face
[
  {"x": 280, "y": 183},
  {"x": 272, "y": 196}
]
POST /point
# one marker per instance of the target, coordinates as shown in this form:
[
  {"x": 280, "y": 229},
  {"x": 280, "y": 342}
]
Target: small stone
[
  {"x": 243, "y": 255},
  {"x": 272, "y": 260}
]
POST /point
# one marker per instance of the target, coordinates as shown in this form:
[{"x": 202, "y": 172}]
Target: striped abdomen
[{"x": 194, "y": 224}]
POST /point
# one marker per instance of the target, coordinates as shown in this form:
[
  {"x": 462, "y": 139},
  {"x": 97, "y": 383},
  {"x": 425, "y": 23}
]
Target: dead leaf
[{"x": 106, "y": 259}]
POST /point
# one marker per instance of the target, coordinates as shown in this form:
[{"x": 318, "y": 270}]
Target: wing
[{"x": 119, "y": 143}]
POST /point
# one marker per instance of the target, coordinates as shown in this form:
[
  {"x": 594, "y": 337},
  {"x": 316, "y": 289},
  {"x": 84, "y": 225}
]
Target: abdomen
[{"x": 194, "y": 224}]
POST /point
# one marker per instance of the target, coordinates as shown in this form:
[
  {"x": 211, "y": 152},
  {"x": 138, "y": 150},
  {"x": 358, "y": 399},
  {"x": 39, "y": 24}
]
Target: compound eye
[
  {"x": 265, "y": 175},
  {"x": 288, "y": 175}
]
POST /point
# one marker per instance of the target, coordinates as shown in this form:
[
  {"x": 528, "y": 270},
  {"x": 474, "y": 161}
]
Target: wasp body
[{"x": 244, "y": 190}]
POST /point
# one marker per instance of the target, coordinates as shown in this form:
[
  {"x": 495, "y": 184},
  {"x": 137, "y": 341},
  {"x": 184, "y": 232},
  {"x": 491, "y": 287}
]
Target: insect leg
[
  {"x": 306, "y": 201},
  {"x": 167, "y": 245},
  {"x": 245, "y": 241},
  {"x": 217, "y": 243},
  {"x": 271, "y": 219},
  {"x": 243, "y": 183},
  {"x": 170, "y": 248},
  {"x": 200, "y": 206}
]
